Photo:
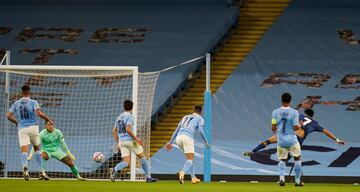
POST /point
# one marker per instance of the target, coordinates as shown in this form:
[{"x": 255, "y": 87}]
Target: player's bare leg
[
  {"x": 145, "y": 166},
  {"x": 69, "y": 162},
  {"x": 24, "y": 155},
  {"x": 262, "y": 145},
  {"x": 124, "y": 163},
  {"x": 43, "y": 175}
]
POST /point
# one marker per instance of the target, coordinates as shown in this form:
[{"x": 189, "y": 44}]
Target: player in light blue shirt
[
  {"x": 308, "y": 126},
  {"x": 285, "y": 121},
  {"x": 286, "y": 118},
  {"x": 23, "y": 114},
  {"x": 128, "y": 142},
  {"x": 24, "y": 111},
  {"x": 184, "y": 136},
  {"x": 122, "y": 121},
  {"x": 188, "y": 125}
]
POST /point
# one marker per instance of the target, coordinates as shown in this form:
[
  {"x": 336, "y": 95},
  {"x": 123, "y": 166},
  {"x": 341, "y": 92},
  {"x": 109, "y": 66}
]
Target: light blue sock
[
  {"x": 43, "y": 164},
  {"x": 38, "y": 159},
  {"x": 282, "y": 167},
  {"x": 120, "y": 166},
  {"x": 24, "y": 160},
  {"x": 187, "y": 166},
  {"x": 145, "y": 167},
  {"x": 193, "y": 171},
  {"x": 297, "y": 169}
]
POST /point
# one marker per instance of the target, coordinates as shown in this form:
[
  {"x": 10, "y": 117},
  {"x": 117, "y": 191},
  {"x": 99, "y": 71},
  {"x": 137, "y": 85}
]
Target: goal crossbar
[{"x": 67, "y": 68}]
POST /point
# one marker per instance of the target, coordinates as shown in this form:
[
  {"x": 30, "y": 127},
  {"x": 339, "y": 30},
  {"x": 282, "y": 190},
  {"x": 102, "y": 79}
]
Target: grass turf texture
[{"x": 173, "y": 186}]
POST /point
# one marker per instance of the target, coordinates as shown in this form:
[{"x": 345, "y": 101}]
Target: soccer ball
[{"x": 98, "y": 157}]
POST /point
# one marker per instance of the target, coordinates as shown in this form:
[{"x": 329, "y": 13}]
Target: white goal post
[
  {"x": 84, "y": 102},
  {"x": 5, "y": 60}
]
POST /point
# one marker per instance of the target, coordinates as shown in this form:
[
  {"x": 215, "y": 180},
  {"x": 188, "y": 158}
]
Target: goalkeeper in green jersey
[{"x": 53, "y": 145}]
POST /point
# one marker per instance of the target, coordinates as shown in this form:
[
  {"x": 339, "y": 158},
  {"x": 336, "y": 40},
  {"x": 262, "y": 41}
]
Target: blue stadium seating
[
  {"x": 174, "y": 37},
  {"x": 304, "y": 39},
  {"x": 179, "y": 30}
]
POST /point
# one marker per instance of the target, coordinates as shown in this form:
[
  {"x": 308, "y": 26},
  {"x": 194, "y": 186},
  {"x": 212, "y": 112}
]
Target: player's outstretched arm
[
  {"x": 10, "y": 116},
  {"x": 202, "y": 133},
  {"x": 43, "y": 116},
  {"x": 131, "y": 134},
  {"x": 296, "y": 127},
  {"x": 65, "y": 148},
  {"x": 296, "y": 121},
  {"x": 273, "y": 122},
  {"x": 332, "y": 136},
  {"x": 116, "y": 137},
  {"x": 169, "y": 145},
  {"x": 273, "y": 128}
]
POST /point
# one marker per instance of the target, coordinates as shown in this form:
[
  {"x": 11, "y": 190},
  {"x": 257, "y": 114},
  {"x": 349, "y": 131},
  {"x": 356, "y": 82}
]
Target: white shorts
[
  {"x": 126, "y": 147},
  {"x": 294, "y": 151},
  {"x": 29, "y": 135},
  {"x": 185, "y": 143}
]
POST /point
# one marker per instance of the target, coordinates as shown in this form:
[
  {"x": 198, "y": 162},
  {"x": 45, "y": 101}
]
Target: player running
[
  {"x": 127, "y": 141},
  {"x": 285, "y": 121},
  {"x": 53, "y": 145},
  {"x": 23, "y": 114},
  {"x": 308, "y": 126},
  {"x": 184, "y": 138}
]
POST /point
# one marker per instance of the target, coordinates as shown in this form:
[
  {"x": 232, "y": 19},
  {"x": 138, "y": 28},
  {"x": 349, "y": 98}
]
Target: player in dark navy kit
[{"x": 308, "y": 126}]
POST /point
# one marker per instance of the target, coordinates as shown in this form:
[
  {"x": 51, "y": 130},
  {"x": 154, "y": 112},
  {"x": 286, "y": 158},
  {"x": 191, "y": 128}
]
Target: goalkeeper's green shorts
[{"x": 58, "y": 154}]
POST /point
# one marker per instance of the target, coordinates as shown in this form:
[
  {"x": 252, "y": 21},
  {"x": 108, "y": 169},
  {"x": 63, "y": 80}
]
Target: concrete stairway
[{"x": 256, "y": 16}]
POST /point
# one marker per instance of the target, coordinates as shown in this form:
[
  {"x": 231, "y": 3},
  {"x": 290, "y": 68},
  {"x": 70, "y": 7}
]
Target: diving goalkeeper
[{"x": 53, "y": 145}]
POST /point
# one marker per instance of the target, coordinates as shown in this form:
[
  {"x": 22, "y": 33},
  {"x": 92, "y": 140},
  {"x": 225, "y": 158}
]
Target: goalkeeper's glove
[{"x": 71, "y": 155}]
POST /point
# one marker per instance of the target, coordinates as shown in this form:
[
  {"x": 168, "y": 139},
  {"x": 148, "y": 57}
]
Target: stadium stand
[
  {"x": 152, "y": 35},
  {"x": 302, "y": 54},
  {"x": 255, "y": 18},
  {"x": 169, "y": 36}
]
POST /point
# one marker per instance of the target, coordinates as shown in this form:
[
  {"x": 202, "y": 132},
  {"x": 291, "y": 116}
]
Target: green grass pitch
[{"x": 169, "y": 186}]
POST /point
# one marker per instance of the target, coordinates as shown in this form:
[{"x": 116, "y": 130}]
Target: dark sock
[
  {"x": 268, "y": 142},
  {"x": 262, "y": 145}
]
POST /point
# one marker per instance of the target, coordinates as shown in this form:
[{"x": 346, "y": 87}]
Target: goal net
[{"x": 84, "y": 103}]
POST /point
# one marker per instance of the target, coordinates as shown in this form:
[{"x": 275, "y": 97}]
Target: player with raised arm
[
  {"x": 308, "y": 126},
  {"x": 23, "y": 114},
  {"x": 127, "y": 141},
  {"x": 53, "y": 145},
  {"x": 284, "y": 122},
  {"x": 184, "y": 138}
]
